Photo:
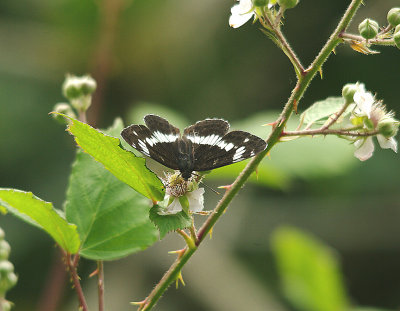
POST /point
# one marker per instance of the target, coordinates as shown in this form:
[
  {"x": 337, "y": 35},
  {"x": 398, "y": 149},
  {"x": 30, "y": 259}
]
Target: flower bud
[
  {"x": 368, "y": 28},
  {"x": 393, "y": 16},
  {"x": 260, "y": 3},
  {"x": 388, "y": 127},
  {"x": 7, "y": 276},
  {"x": 348, "y": 92},
  {"x": 6, "y": 305},
  {"x": 4, "y": 249},
  {"x": 63, "y": 108},
  {"x": 288, "y": 4},
  {"x": 2, "y": 234},
  {"x": 396, "y": 38},
  {"x": 75, "y": 87}
]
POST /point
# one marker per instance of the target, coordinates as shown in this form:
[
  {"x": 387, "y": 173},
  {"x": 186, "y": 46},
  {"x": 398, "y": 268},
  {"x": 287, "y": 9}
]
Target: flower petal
[
  {"x": 173, "y": 208},
  {"x": 241, "y": 13},
  {"x": 364, "y": 148},
  {"x": 196, "y": 200},
  {"x": 387, "y": 143},
  {"x": 364, "y": 101}
]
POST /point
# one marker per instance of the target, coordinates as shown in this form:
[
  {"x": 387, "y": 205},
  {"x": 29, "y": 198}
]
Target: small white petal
[
  {"x": 241, "y": 13},
  {"x": 364, "y": 148},
  {"x": 196, "y": 200},
  {"x": 364, "y": 101},
  {"x": 173, "y": 208},
  {"x": 387, "y": 143}
]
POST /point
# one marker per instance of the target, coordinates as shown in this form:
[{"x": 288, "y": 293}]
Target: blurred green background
[{"x": 180, "y": 58}]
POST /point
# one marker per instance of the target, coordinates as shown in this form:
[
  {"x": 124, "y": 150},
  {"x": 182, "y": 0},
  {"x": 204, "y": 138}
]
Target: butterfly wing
[
  {"x": 233, "y": 147},
  {"x": 157, "y": 140}
]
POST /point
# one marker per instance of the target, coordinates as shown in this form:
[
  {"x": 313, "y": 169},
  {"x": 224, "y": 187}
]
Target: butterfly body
[{"x": 204, "y": 146}]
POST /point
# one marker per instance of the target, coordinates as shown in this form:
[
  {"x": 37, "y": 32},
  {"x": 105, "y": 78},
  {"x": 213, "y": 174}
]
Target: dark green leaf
[
  {"x": 167, "y": 223},
  {"x": 123, "y": 164},
  {"x": 112, "y": 219},
  {"x": 309, "y": 271},
  {"x": 41, "y": 214}
]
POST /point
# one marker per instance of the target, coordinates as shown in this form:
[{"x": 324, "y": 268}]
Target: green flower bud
[
  {"x": 63, "y": 108},
  {"x": 2, "y": 234},
  {"x": 388, "y": 127},
  {"x": 7, "y": 276},
  {"x": 6, "y": 305},
  {"x": 260, "y": 3},
  {"x": 368, "y": 28},
  {"x": 75, "y": 87},
  {"x": 4, "y": 249},
  {"x": 288, "y": 4},
  {"x": 393, "y": 16},
  {"x": 5, "y": 267},
  {"x": 396, "y": 38},
  {"x": 348, "y": 92}
]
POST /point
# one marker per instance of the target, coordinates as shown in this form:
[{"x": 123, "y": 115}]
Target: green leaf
[
  {"x": 123, "y": 164},
  {"x": 42, "y": 215},
  {"x": 112, "y": 219},
  {"x": 309, "y": 271},
  {"x": 320, "y": 111},
  {"x": 167, "y": 223}
]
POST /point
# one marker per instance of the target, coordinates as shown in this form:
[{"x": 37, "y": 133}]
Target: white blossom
[
  {"x": 195, "y": 198},
  {"x": 364, "y": 101},
  {"x": 241, "y": 13}
]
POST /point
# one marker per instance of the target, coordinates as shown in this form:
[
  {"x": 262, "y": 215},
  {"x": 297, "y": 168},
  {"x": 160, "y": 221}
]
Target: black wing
[
  {"x": 231, "y": 148},
  {"x": 158, "y": 140}
]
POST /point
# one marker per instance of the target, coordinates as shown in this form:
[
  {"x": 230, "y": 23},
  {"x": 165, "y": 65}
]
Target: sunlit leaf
[
  {"x": 41, "y": 214},
  {"x": 122, "y": 163},
  {"x": 112, "y": 219}
]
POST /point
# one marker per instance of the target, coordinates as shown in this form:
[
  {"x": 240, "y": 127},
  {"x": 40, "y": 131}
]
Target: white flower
[
  {"x": 365, "y": 146},
  {"x": 364, "y": 101},
  {"x": 241, "y": 13},
  {"x": 195, "y": 198}
]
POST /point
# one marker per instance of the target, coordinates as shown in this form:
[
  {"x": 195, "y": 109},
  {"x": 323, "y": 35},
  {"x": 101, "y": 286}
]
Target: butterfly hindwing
[{"x": 234, "y": 147}]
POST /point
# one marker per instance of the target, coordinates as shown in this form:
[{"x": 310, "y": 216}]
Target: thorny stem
[
  {"x": 100, "y": 284},
  {"x": 349, "y": 36},
  {"x": 341, "y": 132},
  {"x": 302, "y": 84},
  {"x": 72, "y": 264},
  {"x": 336, "y": 117}
]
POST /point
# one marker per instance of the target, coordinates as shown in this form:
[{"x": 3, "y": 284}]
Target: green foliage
[
  {"x": 320, "y": 111},
  {"x": 167, "y": 223},
  {"x": 41, "y": 214},
  {"x": 112, "y": 219},
  {"x": 123, "y": 164},
  {"x": 309, "y": 270}
]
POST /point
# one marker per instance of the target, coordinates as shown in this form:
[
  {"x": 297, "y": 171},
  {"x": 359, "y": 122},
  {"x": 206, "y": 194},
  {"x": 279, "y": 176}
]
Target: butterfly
[{"x": 203, "y": 146}]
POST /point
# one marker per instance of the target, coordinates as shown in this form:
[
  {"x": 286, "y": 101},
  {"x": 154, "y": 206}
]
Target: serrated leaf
[
  {"x": 320, "y": 111},
  {"x": 123, "y": 164},
  {"x": 112, "y": 219},
  {"x": 309, "y": 271},
  {"x": 42, "y": 215},
  {"x": 167, "y": 223}
]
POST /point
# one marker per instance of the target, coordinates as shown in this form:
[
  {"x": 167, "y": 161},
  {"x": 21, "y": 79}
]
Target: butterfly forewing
[
  {"x": 234, "y": 147},
  {"x": 161, "y": 147}
]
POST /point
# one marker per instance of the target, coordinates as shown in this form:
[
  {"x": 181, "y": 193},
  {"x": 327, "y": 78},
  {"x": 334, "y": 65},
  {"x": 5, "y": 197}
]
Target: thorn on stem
[{"x": 95, "y": 272}]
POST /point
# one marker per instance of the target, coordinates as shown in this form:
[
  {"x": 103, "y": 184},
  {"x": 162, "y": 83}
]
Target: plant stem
[
  {"x": 385, "y": 42},
  {"x": 100, "y": 284},
  {"x": 297, "y": 93},
  {"x": 72, "y": 264},
  {"x": 341, "y": 132}
]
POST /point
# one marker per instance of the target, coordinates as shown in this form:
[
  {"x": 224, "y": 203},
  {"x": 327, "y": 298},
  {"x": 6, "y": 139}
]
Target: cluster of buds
[
  {"x": 371, "y": 116},
  {"x": 247, "y": 9},
  {"x": 369, "y": 28},
  {"x": 182, "y": 195},
  {"x": 78, "y": 90},
  {"x": 8, "y": 279}
]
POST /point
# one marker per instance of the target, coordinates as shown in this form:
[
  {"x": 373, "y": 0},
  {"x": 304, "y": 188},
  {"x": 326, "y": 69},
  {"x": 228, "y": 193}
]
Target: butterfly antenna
[{"x": 205, "y": 185}]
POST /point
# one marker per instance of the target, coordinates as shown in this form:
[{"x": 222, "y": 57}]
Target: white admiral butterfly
[{"x": 203, "y": 146}]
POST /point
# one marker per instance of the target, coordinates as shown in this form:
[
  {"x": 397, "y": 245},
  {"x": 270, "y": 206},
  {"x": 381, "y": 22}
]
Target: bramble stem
[
  {"x": 302, "y": 84},
  {"x": 385, "y": 42},
  {"x": 341, "y": 132},
  {"x": 100, "y": 284},
  {"x": 72, "y": 264}
]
